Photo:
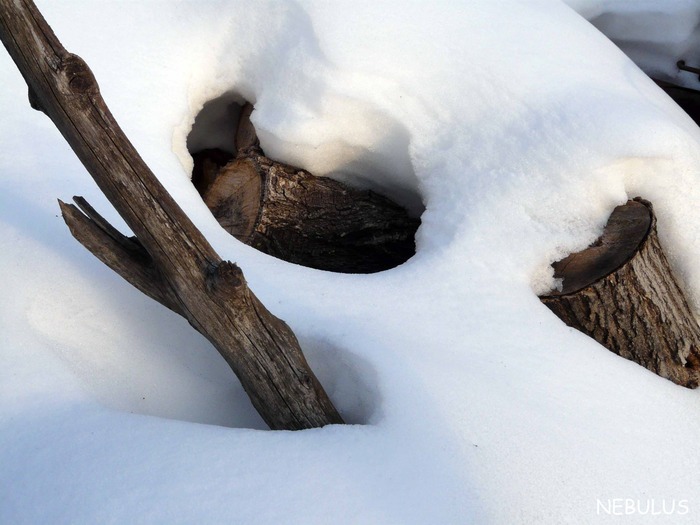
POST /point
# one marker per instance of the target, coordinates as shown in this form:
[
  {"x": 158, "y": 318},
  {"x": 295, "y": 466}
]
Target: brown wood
[
  {"x": 207, "y": 164},
  {"x": 627, "y": 227},
  {"x": 170, "y": 260},
  {"x": 318, "y": 222},
  {"x": 622, "y": 293}
]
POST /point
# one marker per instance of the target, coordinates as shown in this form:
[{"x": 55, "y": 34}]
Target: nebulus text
[{"x": 640, "y": 507}]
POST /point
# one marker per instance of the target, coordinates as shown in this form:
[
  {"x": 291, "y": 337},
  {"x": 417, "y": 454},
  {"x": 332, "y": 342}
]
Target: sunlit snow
[{"x": 516, "y": 126}]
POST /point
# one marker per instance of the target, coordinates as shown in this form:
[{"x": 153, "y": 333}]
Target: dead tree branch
[{"x": 169, "y": 260}]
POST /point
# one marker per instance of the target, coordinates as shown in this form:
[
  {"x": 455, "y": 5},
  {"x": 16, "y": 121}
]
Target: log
[
  {"x": 291, "y": 214},
  {"x": 207, "y": 165},
  {"x": 621, "y": 292},
  {"x": 168, "y": 259}
]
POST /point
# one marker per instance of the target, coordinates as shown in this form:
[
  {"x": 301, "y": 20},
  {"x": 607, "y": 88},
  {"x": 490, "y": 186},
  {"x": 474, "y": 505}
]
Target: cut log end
[
  {"x": 621, "y": 292},
  {"x": 627, "y": 227},
  {"x": 235, "y": 197}
]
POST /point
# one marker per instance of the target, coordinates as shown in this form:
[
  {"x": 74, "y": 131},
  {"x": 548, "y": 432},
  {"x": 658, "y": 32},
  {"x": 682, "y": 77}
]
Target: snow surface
[{"x": 517, "y": 126}]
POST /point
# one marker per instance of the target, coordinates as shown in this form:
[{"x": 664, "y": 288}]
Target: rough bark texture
[
  {"x": 622, "y": 293},
  {"x": 317, "y": 222},
  {"x": 290, "y": 214},
  {"x": 169, "y": 259}
]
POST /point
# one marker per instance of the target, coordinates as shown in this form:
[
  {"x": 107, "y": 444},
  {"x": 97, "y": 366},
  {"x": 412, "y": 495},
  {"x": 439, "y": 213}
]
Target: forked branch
[{"x": 170, "y": 260}]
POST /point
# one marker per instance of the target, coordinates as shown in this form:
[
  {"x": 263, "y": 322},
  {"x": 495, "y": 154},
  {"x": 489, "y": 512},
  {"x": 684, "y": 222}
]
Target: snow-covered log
[
  {"x": 291, "y": 214},
  {"x": 622, "y": 293},
  {"x": 169, "y": 259}
]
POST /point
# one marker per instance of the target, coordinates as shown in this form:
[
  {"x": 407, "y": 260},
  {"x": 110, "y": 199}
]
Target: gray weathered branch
[{"x": 171, "y": 261}]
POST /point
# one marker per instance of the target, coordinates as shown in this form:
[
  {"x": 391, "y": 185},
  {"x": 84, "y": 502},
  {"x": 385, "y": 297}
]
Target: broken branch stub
[
  {"x": 169, "y": 259},
  {"x": 621, "y": 292}
]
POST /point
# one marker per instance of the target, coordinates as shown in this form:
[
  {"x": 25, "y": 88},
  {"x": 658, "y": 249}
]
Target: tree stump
[
  {"x": 621, "y": 292},
  {"x": 293, "y": 215}
]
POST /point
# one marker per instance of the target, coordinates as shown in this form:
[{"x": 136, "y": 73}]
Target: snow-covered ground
[{"x": 517, "y": 125}]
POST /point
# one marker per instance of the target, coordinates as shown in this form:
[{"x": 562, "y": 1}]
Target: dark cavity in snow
[{"x": 287, "y": 212}]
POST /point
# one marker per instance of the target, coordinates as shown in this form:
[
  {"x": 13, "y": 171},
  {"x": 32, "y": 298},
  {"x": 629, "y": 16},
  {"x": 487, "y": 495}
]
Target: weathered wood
[
  {"x": 621, "y": 292},
  {"x": 171, "y": 261},
  {"x": 318, "y": 222},
  {"x": 207, "y": 164},
  {"x": 124, "y": 255}
]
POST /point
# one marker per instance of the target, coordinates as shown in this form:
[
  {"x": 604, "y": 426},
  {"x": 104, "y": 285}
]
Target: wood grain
[{"x": 622, "y": 293}]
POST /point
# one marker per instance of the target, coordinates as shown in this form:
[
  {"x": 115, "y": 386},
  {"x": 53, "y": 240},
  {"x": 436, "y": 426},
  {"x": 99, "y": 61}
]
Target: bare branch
[{"x": 262, "y": 350}]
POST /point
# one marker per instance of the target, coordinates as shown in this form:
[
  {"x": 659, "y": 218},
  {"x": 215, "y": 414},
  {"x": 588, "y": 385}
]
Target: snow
[
  {"x": 656, "y": 35},
  {"x": 516, "y": 126}
]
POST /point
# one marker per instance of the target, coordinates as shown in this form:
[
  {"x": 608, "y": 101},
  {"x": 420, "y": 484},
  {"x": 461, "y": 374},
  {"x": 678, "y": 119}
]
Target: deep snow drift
[{"x": 517, "y": 125}]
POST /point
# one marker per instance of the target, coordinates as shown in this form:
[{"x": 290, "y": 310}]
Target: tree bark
[
  {"x": 622, "y": 293},
  {"x": 169, "y": 259},
  {"x": 313, "y": 221},
  {"x": 291, "y": 214}
]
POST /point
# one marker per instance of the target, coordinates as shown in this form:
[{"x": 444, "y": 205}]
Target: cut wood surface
[
  {"x": 621, "y": 292},
  {"x": 291, "y": 214},
  {"x": 169, "y": 259}
]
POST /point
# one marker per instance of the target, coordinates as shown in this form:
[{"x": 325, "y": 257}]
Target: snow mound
[
  {"x": 655, "y": 35},
  {"x": 516, "y": 126}
]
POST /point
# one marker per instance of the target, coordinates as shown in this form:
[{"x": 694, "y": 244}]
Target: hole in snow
[
  {"x": 212, "y": 140},
  {"x": 287, "y": 212},
  {"x": 216, "y": 124},
  {"x": 349, "y": 380}
]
